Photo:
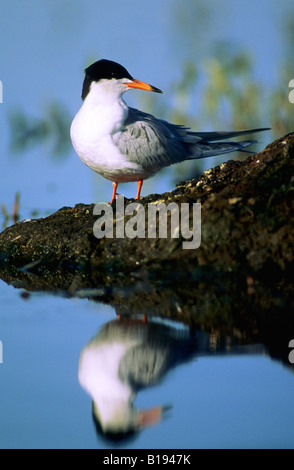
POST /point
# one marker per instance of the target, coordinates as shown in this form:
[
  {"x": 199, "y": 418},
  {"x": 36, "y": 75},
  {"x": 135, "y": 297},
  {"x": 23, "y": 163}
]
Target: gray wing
[
  {"x": 150, "y": 142},
  {"x": 144, "y": 365},
  {"x": 155, "y": 143}
]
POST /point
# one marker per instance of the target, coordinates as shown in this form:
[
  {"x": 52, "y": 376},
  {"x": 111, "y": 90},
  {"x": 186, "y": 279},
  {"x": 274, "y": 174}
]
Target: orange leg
[
  {"x": 140, "y": 184},
  {"x": 114, "y": 184}
]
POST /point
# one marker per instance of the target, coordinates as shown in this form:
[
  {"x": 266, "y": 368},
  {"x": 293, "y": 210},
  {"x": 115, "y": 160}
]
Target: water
[{"x": 217, "y": 399}]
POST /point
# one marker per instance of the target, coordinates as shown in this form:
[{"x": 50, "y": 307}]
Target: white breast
[
  {"x": 100, "y": 117},
  {"x": 99, "y": 376}
]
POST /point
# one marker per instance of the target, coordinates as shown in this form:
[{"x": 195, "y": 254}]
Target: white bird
[{"x": 124, "y": 144}]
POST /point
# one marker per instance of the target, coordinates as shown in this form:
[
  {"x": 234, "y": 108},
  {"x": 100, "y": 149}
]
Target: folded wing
[{"x": 155, "y": 143}]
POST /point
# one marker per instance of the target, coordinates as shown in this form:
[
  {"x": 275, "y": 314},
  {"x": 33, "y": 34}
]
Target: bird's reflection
[{"x": 125, "y": 356}]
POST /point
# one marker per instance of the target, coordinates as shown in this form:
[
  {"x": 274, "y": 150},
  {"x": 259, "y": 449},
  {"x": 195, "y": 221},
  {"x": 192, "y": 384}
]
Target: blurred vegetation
[
  {"x": 221, "y": 94},
  {"x": 13, "y": 216},
  {"x": 53, "y": 129}
]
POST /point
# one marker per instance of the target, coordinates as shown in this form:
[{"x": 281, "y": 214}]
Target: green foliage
[{"x": 27, "y": 132}]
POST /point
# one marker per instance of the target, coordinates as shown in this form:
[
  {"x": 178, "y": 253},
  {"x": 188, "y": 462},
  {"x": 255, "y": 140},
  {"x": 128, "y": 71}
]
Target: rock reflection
[{"x": 129, "y": 354}]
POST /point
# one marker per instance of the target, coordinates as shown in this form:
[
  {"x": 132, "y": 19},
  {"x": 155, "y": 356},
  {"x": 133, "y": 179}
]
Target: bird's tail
[{"x": 207, "y": 144}]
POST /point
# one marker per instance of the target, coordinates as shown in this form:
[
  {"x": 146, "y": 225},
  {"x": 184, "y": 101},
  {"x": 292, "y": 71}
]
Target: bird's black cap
[{"x": 103, "y": 69}]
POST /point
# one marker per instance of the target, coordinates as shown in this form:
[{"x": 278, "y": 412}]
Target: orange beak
[
  {"x": 143, "y": 86},
  {"x": 149, "y": 417}
]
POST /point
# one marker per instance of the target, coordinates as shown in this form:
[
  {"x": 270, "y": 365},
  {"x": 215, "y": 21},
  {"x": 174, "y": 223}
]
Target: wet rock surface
[{"x": 239, "y": 278}]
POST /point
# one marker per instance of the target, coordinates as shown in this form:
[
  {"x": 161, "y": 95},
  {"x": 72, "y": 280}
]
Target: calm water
[{"x": 237, "y": 399}]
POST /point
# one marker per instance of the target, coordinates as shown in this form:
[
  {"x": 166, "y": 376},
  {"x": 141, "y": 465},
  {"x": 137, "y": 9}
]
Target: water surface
[{"x": 217, "y": 399}]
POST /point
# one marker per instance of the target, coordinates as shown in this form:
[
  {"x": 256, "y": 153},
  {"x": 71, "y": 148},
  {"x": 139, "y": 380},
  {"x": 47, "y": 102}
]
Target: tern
[{"x": 124, "y": 144}]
